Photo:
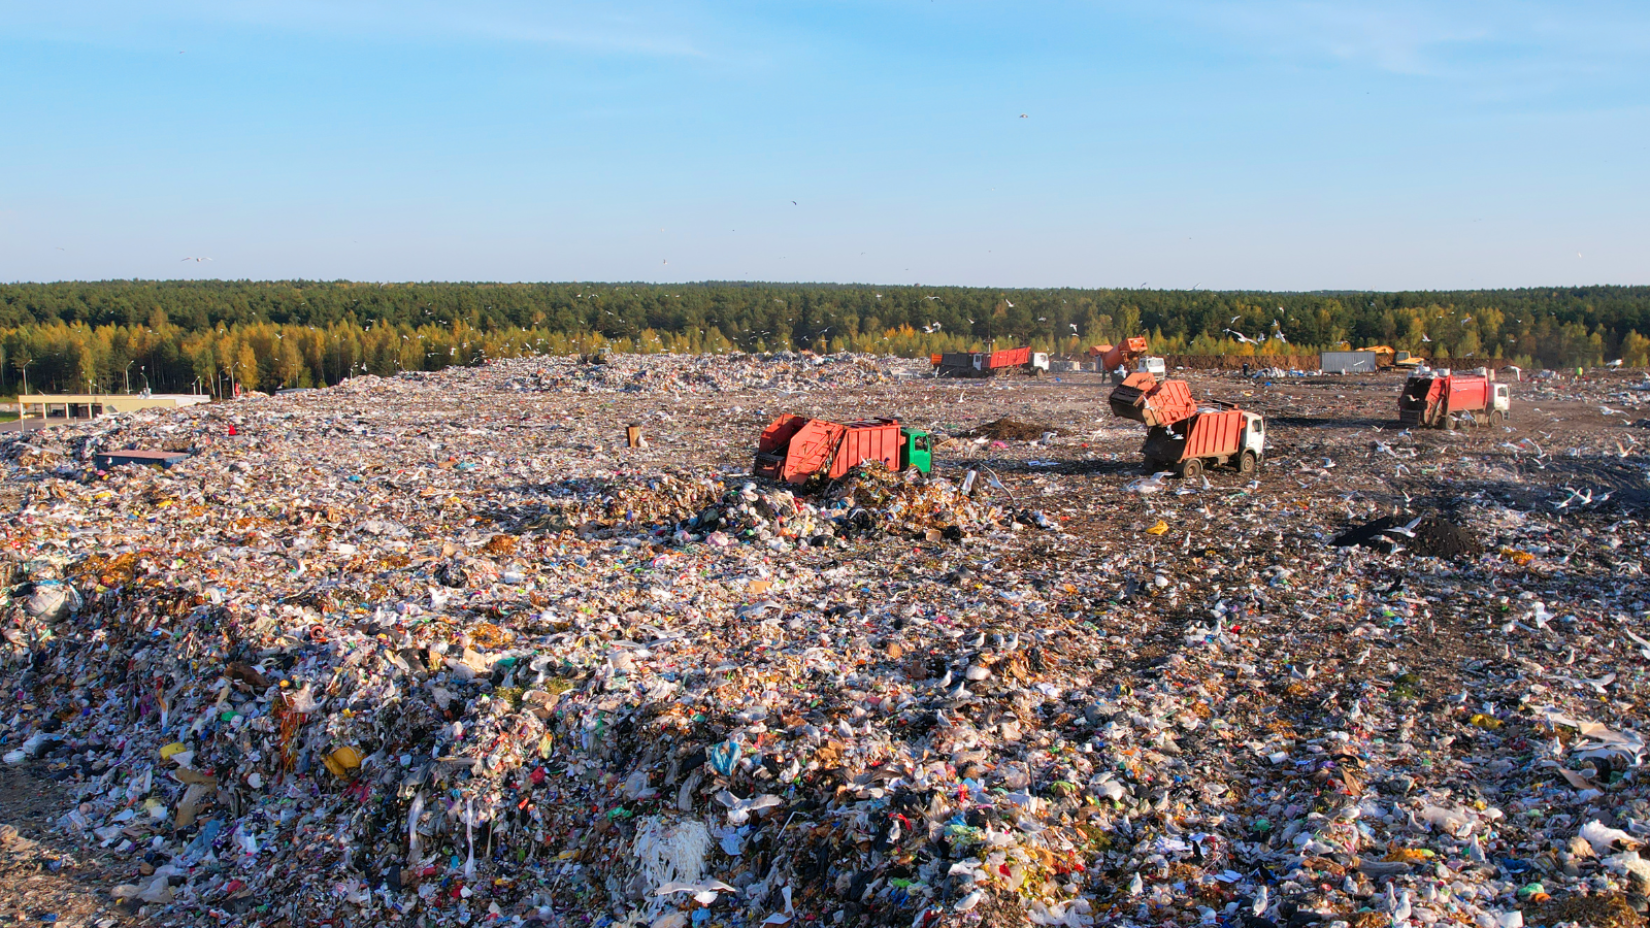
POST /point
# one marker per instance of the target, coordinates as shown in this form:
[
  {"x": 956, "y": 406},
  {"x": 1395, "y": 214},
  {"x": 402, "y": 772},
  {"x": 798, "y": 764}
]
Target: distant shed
[{"x": 1347, "y": 362}]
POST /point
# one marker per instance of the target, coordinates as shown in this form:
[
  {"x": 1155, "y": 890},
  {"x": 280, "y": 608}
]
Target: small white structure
[
  {"x": 89, "y": 405},
  {"x": 1347, "y": 362}
]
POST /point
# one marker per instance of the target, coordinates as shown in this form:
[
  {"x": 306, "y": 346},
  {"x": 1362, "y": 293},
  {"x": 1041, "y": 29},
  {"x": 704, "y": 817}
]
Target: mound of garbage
[{"x": 442, "y": 650}]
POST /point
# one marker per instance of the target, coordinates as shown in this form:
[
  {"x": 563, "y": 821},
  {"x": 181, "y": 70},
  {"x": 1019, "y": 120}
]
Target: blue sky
[{"x": 1172, "y": 143}]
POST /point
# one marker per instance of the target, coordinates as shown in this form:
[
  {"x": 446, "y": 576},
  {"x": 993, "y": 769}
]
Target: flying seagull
[{"x": 1408, "y": 530}]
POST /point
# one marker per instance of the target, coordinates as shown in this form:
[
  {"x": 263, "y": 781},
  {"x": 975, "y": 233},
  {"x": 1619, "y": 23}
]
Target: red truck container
[
  {"x": 1438, "y": 399},
  {"x": 1141, "y": 398},
  {"x": 796, "y": 448},
  {"x": 987, "y": 364},
  {"x": 1212, "y": 437},
  {"x": 1010, "y": 357}
]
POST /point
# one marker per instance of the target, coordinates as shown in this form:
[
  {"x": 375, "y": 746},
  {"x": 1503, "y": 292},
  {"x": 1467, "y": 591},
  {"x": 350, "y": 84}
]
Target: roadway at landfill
[{"x": 443, "y": 649}]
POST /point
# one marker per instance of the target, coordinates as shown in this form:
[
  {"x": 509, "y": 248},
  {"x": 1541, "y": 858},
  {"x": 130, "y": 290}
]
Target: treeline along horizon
[{"x": 174, "y": 335}]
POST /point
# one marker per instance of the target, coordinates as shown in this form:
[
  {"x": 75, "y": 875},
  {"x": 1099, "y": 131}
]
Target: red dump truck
[
  {"x": 1441, "y": 399},
  {"x": 796, "y": 449},
  {"x": 1184, "y": 435},
  {"x": 989, "y": 363}
]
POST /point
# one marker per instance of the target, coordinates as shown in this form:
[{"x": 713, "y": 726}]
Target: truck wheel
[
  {"x": 1496, "y": 418},
  {"x": 1246, "y": 463},
  {"x": 1449, "y": 423},
  {"x": 1192, "y": 469}
]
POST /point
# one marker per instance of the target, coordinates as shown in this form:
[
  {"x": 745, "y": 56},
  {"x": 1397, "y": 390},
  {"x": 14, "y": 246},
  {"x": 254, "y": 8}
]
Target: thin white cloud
[
  {"x": 1461, "y": 42},
  {"x": 666, "y": 31}
]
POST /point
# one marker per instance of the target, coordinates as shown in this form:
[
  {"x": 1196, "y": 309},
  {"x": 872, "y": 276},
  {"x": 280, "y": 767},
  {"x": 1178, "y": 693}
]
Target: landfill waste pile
[
  {"x": 637, "y": 373},
  {"x": 448, "y": 649}
]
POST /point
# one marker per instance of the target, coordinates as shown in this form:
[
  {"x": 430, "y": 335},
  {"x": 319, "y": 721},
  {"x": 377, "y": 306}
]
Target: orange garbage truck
[
  {"x": 975, "y": 364},
  {"x": 795, "y": 449},
  {"x": 1186, "y": 436},
  {"x": 1442, "y": 399}
]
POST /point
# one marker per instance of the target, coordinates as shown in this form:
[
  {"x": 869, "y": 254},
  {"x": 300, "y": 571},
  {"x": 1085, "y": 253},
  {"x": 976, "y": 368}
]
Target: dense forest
[{"x": 189, "y": 335}]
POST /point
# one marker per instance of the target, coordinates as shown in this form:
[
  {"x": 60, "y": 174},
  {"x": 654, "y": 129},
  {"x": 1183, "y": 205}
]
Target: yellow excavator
[{"x": 1387, "y": 357}]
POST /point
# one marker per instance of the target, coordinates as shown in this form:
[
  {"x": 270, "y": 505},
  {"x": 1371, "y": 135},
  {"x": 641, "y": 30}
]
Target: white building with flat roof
[{"x": 87, "y": 405}]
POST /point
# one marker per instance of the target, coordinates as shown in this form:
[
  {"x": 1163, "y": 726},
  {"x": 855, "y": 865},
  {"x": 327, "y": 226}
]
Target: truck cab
[
  {"x": 1153, "y": 366},
  {"x": 1253, "y": 439},
  {"x": 916, "y": 450}
]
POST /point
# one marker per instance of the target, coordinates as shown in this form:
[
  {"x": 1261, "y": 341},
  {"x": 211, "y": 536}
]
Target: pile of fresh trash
[{"x": 440, "y": 650}]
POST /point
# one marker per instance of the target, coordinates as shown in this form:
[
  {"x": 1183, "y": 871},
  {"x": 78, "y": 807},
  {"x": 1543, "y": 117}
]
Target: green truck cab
[{"x": 916, "y": 450}]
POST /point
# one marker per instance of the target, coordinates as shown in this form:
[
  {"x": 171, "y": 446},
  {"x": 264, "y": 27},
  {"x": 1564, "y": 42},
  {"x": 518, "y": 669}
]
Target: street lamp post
[
  {"x": 129, "y": 377},
  {"x": 21, "y": 412},
  {"x": 143, "y": 371}
]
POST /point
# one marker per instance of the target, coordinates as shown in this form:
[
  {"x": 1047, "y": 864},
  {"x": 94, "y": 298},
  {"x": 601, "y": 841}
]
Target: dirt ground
[{"x": 44, "y": 879}]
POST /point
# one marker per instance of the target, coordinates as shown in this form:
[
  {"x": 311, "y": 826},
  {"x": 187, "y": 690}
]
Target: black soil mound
[
  {"x": 1432, "y": 537},
  {"x": 1006, "y": 429}
]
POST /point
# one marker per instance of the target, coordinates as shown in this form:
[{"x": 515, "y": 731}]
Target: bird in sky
[
  {"x": 930, "y": 297},
  {"x": 793, "y": 202},
  {"x": 1424, "y": 338},
  {"x": 1025, "y": 115},
  {"x": 1241, "y": 337},
  {"x": 1233, "y": 320},
  {"x": 1073, "y": 326},
  {"x": 1010, "y": 303},
  {"x": 197, "y": 260}
]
